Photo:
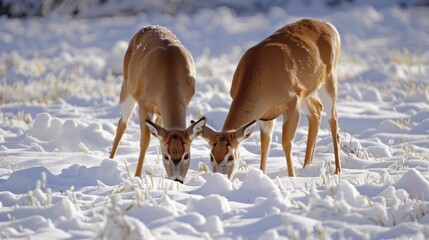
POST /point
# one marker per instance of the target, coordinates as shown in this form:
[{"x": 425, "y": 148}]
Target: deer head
[
  {"x": 175, "y": 146},
  {"x": 225, "y": 155}
]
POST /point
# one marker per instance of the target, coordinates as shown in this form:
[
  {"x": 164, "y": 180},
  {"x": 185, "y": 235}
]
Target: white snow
[{"x": 59, "y": 105}]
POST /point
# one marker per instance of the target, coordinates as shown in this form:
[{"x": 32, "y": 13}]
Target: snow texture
[{"x": 60, "y": 79}]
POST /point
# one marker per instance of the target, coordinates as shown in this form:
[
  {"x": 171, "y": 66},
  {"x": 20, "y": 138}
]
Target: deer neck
[
  {"x": 173, "y": 111},
  {"x": 242, "y": 111}
]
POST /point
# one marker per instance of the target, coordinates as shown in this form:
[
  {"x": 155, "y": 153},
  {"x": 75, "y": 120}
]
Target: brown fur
[
  {"x": 277, "y": 76},
  {"x": 295, "y": 60},
  {"x": 159, "y": 74},
  {"x": 222, "y": 141},
  {"x": 175, "y": 143}
]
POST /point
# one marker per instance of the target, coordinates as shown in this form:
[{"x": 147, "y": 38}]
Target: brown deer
[
  {"x": 291, "y": 70},
  {"x": 159, "y": 75}
]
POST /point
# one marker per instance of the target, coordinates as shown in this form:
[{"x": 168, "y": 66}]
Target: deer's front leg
[
  {"x": 266, "y": 129},
  {"x": 144, "y": 139}
]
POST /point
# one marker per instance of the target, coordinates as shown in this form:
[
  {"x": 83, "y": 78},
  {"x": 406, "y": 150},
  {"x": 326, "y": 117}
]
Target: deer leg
[
  {"x": 266, "y": 128},
  {"x": 119, "y": 132},
  {"x": 328, "y": 95},
  {"x": 144, "y": 139},
  {"x": 333, "y": 123},
  {"x": 127, "y": 108},
  {"x": 314, "y": 113},
  {"x": 290, "y": 125}
]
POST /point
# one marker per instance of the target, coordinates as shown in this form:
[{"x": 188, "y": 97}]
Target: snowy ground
[{"x": 60, "y": 81}]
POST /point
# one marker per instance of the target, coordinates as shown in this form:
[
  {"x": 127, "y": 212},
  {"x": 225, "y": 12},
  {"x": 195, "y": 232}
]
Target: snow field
[{"x": 59, "y": 111}]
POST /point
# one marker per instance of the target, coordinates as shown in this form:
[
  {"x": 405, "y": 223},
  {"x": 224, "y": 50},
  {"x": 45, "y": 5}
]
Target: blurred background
[{"x": 102, "y": 8}]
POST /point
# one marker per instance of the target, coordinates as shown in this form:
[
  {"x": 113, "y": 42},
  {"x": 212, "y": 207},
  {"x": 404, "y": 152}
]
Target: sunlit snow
[{"x": 59, "y": 105}]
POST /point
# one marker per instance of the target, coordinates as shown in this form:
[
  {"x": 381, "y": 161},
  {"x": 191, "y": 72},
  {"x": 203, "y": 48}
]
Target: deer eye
[
  {"x": 166, "y": 157},
  {"x": 231, "y": 158},
  {"x": 186, "y": 157},
  {"x": 211, "y": 158}
]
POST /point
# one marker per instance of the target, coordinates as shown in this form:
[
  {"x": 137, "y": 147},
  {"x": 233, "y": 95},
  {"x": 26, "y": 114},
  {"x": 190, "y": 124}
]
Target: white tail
[
  {"x": 159, "y": 75},
  {"x": 292, "y": 69}
]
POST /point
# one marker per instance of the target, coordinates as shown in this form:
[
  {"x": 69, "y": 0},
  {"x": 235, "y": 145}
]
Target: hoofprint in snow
[{"x": 59, "y": 109}]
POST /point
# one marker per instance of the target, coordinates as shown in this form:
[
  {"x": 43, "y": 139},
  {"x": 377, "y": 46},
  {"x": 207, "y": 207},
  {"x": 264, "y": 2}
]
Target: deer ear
[
  {"x": 208, "y": 133},
  {"x": 245, "y": 131},
  {"x": 156, "y": 130},
  {"x": 196, "y": 128}
]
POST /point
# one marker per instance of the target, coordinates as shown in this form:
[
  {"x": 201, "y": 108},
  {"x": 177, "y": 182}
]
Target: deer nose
[{"x": 178, "y": 180}]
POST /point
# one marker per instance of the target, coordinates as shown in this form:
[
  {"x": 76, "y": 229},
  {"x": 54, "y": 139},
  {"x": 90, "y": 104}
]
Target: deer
[
  {"x": 159, "y": 77},
  {"x": 290, "y": 71}
]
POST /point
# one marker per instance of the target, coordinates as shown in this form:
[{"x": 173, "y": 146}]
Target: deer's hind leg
[
  {"x": 290, "y": 125},
  {"x": 328, "y": 95},
  {"x": 314, "y": 113},
  {"x": 127, "y": 108}
]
